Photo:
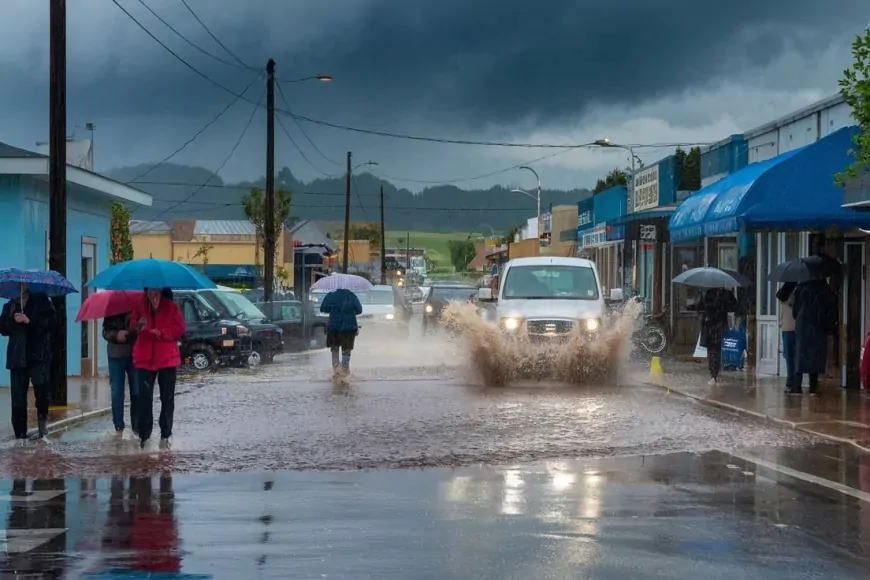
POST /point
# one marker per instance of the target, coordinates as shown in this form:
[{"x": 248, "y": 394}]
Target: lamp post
[
  {"x": 347, "y": 209},
  {"x": 536, "y": 196},
  {"x": 630, "y": 149}
]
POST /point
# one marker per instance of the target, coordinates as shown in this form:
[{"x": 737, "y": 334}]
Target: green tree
[
  {"x": 855, "y": 88},
  {"x": 202, "y": 252},
  {"x": 254, "y": 205},
  {"x": 366, "y": 231},
  {"x": 612, "y": 179},
  {"x": 461, "y": 253},
  {"x": 689, "y": 168},
  {"x": 119, "y": 232}
]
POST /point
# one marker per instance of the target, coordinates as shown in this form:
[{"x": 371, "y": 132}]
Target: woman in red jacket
[{"x": 159, "y": 326}]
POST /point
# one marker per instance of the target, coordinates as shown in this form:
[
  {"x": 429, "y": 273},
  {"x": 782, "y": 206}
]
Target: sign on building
[
  {"x": 647, "y": 233},
  {"x": 596, "y": 236},
  {"x": 584, "y": 219},
  {"x": 646, "y": 188}
]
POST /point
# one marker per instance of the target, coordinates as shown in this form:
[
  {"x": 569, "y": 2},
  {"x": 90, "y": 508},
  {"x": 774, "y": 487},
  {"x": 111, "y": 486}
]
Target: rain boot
[
  {"x": 43, "y": 426},
  {"x": 336, "y": 363},
  {"x": 345, "y": 363}
]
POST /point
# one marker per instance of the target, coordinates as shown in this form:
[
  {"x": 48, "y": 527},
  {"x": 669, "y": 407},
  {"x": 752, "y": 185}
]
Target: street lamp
[
  {"x": 533, "y": 196},
  {"x": 319, "y": 77},
  {"x": 606, "y": 143},
  {"x": 347, "y": 209}
]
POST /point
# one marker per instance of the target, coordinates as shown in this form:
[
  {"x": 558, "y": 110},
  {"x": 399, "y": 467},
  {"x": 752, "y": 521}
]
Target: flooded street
[{"x": 416, "y": 405}]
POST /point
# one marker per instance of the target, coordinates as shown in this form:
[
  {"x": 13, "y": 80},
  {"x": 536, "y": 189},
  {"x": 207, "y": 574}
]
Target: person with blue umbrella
[{"x": 28, "y": 319}]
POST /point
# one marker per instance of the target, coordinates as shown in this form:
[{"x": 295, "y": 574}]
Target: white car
[{"x": 546, "y": 297}]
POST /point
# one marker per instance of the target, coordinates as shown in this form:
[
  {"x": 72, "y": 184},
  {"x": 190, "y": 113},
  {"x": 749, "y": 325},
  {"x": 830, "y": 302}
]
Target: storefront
[
  {"x": 763, "y": 215},
  {"x": 584, "y": 224},
  {"x": 605, "y": 244}
]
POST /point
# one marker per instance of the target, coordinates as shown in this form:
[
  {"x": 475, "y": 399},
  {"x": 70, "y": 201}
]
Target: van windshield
[{"x": 550, "y": 282}]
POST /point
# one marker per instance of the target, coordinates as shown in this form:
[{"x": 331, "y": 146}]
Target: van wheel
[{"x": 202, "y": 358}]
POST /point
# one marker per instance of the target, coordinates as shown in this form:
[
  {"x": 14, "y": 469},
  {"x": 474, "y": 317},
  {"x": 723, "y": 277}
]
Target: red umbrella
[{"x": 109, "y": 303}]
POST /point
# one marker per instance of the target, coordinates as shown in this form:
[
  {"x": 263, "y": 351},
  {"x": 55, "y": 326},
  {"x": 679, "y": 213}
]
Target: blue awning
[
  {"x": 793, "y": 191},
  {"x": 661, "y": 212},
  {"x": 230, "y": 272}
]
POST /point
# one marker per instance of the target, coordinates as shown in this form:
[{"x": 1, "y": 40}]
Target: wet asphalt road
[
  {"x": 679, "y": 516},
  {"x": 417, "y": 411}
]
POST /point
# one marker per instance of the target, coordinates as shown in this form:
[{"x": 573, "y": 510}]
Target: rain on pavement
[{"x": 411, "y": 402}]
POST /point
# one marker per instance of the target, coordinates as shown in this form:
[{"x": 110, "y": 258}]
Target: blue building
[
  {"x": 24, "y": 207},
  {"x": 604, "y": 242}
]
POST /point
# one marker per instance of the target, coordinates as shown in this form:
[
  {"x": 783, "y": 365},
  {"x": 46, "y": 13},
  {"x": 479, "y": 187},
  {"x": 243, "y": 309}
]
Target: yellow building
[
  {"x": 359, "y": 251},
  {"x": 226, "y": 250}
]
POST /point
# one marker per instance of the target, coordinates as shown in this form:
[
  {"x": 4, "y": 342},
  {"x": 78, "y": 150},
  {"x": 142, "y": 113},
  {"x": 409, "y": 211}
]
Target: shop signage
[
  {"x": 647, "y": 233},
  {"x": 547, "y": 220},
  {"x": 646, "y": 188},
  {"x": 584, "y": 219}
]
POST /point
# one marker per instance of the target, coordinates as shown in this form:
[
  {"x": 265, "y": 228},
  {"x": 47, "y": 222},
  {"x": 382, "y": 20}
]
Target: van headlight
[
  {"x": 390, "y": 316},
  {"x": 429, "y": 309},
  {"x": 591, "y": 324},
  {"x": 510, "y": 323}
]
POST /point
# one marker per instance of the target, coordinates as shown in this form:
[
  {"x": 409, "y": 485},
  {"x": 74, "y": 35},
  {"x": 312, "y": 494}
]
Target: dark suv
[
  {"x": 209, "y": 341},
  {"x": 267, "y": 339},
  {"x": 438, "y": 297},
  {"x": 289, "y": 315}
]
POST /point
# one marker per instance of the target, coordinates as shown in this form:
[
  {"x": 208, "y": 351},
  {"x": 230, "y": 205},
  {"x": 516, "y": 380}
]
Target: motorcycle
[{"x": 651, "y": 337}]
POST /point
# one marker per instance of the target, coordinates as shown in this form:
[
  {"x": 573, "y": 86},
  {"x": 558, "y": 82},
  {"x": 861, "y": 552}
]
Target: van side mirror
[{"x": 485, "y": 294}]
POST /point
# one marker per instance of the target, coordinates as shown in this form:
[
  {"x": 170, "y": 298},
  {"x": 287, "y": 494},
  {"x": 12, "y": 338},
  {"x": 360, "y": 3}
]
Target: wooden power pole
[
  {"x": 269, "y": 241},
  {"x": 57, "y": 190},
  {"x": 346, "y": 216},
  {"x": 383, "y": 242}
]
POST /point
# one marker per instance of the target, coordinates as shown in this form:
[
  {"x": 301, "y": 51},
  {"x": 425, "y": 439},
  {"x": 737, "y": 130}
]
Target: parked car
[
  {"x": 439, "y": 296},
  {"x": 385, "y": 307},
  {"x": 267, "y": 339},
  {"x": 210, "y": 341},
  {"x": 301, "y": 331}
]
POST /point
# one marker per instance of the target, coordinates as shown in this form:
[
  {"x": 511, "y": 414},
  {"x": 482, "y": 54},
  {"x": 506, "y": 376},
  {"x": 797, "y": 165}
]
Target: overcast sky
[{"x": 557, "y": 71}]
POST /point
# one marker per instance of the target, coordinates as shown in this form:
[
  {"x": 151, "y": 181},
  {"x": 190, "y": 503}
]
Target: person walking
[
  {"x": 716, "y": 305},
  {"x": 29, "y": 322},
  {"x": 816, "y": 316},
  {"x": 159, "y": 326},
  {"x": 120, "y": 339},
  {"x": 793, "y": 379},
  {"x": 343, "y": 307}
]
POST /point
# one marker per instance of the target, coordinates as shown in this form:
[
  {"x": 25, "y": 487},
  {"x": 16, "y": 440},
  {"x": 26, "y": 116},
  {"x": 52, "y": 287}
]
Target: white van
[{"x": 546, "y": 297}]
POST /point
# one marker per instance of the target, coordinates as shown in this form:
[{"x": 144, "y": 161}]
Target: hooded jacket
[
  {"x": 151, "y": 352},
  {"x": 343, "y": 307},
  {"x": 29, "y": 344}
]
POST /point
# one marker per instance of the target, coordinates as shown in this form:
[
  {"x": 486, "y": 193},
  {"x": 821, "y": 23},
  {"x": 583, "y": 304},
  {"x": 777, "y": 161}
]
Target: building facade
[{"x": 24, "y": 206}]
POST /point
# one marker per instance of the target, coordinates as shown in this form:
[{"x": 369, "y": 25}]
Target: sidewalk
[
  {"x": 835, "y": 414},
  {"x": 87, "y": 398}
]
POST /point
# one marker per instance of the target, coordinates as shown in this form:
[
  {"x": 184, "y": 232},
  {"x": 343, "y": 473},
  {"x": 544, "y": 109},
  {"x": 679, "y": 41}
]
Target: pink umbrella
[{"x": 109, "y": 303}]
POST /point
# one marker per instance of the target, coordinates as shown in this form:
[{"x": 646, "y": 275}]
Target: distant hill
[{"x": 178, "y": 194}]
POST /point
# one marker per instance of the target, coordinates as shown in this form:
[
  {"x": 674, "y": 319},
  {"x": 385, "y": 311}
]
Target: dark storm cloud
[{"x": 477, "y": 61}]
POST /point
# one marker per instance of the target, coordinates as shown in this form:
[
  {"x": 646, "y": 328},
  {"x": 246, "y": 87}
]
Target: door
[
  {"x": 89, "y": 342},
  {"x": 853, "y": 313},
  {"x": 767, "y": 307}
]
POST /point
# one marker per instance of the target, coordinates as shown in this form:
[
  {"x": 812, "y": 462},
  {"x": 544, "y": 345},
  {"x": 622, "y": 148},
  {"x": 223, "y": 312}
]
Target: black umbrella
[{"x": 816, "y": 267}]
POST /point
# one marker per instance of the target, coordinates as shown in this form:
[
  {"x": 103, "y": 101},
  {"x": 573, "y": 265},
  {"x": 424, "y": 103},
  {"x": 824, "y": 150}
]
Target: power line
[
  {"x": 223, "y": 163},
  {"x": 303, "y": 131},
  {"x": 190, "y": 42},
  {"x": 215, "y": 38},
  {"x": 301, "y": 152},
  {"x": 217, "y": 205},
  {"x": 196, "y": 135}
]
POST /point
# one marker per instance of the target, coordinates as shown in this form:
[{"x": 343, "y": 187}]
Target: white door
[
  {"x": 791, "y": 248},
  {"x": 89, "y": 354},
  {"x": 767, "y": 311}
]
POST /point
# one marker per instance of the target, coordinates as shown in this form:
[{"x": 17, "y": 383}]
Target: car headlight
[
  {"x": 390, "y": 316},
  {"x": 429, "y": 309},
  {"x": 510, "y": 323},
  {"x": 241, "y": 330},
  {"x": 591, "y": 324}
]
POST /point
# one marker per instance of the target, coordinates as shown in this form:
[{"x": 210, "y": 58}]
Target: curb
[
  {"x": 70, "y": 422},
  {"x": 759, "y": 416}
]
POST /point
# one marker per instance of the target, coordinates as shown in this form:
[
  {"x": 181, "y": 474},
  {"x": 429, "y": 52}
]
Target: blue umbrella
[
  {"x": 38, "y": 281},
  {"x": 150, "y": 273}
]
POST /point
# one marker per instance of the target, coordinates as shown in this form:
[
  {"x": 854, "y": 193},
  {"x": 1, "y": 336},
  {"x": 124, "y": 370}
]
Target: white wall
[{"x": 799, "y": 132}]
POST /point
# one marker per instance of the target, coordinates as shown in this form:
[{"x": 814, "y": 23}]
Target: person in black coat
[
  {"x": 715, "y": 306},
  {"x": 816, "y": 317},
  {"x": 29, "y": 323}
]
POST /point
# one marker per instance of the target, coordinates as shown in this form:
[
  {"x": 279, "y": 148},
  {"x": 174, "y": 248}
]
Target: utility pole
[
  {"x": 269, "y": 241},
  {"x": 346, "y": 216},
  {"x": 383, "y": 243},
  {"x": 408, "y": 254},
  {"x": 57, "y": 190}
]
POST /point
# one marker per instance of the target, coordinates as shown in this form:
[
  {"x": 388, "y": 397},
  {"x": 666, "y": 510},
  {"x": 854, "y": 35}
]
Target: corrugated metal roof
[
  {"x": 307, "y": 232},
  {"x": 10, "y": 152},
  {"x": 223, "y": 228},
  {"x": 149, "y": 227}
]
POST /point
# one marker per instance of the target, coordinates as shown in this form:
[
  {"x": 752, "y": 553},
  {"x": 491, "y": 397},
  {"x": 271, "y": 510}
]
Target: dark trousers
[
  {"x": 122, "y": 373},
  {"x": 20, "y": 381},
  {"x": 165, "y": 378},
  {"x": 793, "y": 379},
  {"x": 714, "y": 352}
]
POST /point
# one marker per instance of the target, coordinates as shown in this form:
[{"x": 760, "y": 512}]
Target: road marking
[{"x": 807, "y": 477}]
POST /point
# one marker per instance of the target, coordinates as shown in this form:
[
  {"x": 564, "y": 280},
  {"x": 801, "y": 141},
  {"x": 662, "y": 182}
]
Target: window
[
  {"x": 188, "y": 309},
  {"x": 444, "y": 294},
  {"x": 549, "y": 281},
  {"x": 376, "y": 297},
  {"x": 239, "y": 306},
  {"x": 686, "y": 257}
]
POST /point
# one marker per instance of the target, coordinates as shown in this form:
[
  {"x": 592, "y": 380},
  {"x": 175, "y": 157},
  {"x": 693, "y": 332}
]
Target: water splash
[{"x": 497, "y": 358}]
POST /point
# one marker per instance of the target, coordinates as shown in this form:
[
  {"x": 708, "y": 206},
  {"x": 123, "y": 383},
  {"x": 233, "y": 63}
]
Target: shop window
[
  {"x": 685, "y": 258},
  {"x": 768, "y": 259},
  {"x": 792, "y": 245}
]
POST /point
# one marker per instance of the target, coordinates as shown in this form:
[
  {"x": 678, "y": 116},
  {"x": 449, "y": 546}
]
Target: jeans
[
  {"x": 19, "y": 380},
  {"x": 793, "y": 380},
  {"x": 165, "y": 378},
  {"x": 121, "y": 368}
]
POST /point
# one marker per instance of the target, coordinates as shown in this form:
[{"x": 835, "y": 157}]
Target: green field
[{"x": 434, "y": 242}]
